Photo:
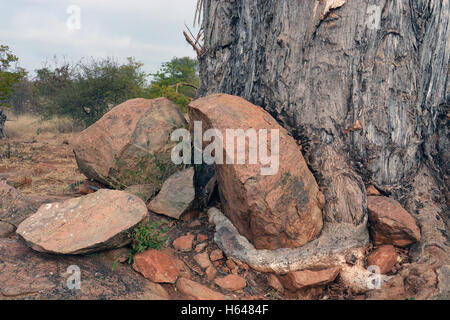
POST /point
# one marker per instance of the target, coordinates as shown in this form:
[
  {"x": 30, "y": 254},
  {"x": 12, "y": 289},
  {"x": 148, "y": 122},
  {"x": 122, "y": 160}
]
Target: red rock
[
  {"x": 231, "y": 282},
  {"x": 195, "y": 223},
  {"x": 184, "y": 243},
  {"x": 197, "y": 291},
  {"x": 231, "y": 264},
  {"x": 272, "y": 211},
  {"x": 43, "y": 168},
  {"x": 302, "y": 279},
  {"x": 211, "y": 273},
  {"x": 216, "y": 255},
  {"x": 274, "y": 283},
  {"x": 385, "y": 257},
  {"x": 83, "y": 225},
  {"x": 203, "y": 260},
  {"x": 372, "y": 191},
  {"x": 390, "y": 223},
  {"x": 202, "y": 237},
  {"x": 157, "y": 266},
  {"x": 200, "y": 247},
  {"x": 176, "y": 196},
  {"x": 120, "y": 149}
]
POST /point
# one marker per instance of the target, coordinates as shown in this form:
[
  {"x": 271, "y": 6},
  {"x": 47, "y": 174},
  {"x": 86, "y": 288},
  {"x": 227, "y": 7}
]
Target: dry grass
[{"x": 27, "y": 126}]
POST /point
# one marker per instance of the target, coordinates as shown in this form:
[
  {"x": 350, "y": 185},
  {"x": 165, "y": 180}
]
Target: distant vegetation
[{"x": 86, "y": 90}]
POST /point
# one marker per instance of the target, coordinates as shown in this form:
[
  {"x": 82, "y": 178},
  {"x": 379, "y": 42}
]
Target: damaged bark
[{"x": 362, "y": 84}]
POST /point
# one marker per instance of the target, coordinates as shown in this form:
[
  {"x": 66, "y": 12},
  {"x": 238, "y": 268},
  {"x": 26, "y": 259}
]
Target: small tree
[{"x": 10, "y": 73}]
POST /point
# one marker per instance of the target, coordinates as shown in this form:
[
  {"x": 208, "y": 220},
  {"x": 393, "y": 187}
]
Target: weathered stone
[
  {"x": 274, "y": 283},
  {"x": 157, "y": 266},
  {"x": 130, "y": 144},
  {"x": 82, "y": 225},
  {"x": 26, "y": 274},
  {"x": 280, "y": 209},
  {"x": 203, "y": 260},
  {"x": 372, "y": 191},
  {"x": 176, "y": 196},
  {"x": 6, "y": 229},
  {"x": 202, "y": 237},
  {"x": 14, "y": 207},
  {"x": 216, "y": 255},
  {"x": 184, "y": 243},
  {"x": 211, "y": 273},
  {"x": 385, "y": 257},
  {"x": 307, "y": 278},
  {"x": 197, "y": 291},
  {"x": 231, "y": 282},
  {"x": 390, "y": 223}
]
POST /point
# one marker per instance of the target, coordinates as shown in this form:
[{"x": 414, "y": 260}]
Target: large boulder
[
  {"x": 176, "y": 196},
  {"x": 272, "y": 211},
  {"x": 130, "y": 145},
  {"x": 83, "y": 225}
]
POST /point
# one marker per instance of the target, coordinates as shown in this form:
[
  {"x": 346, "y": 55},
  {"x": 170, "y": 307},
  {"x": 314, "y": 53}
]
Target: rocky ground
[
  {"x": 55, "y": 222},
  {"x": 45, "y": 170}
]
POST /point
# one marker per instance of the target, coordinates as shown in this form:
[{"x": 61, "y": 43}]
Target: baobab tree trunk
[{"x": 363, "y": 84}]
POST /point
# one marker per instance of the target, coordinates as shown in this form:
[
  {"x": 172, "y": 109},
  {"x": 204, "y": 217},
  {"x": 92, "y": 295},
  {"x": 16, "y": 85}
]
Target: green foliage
[
  {"x": 149, "y": 235},
  {"x": 10, "y": 74},
  {"x": 88, "y": 90},
  {"x": 156, "y": 91}
]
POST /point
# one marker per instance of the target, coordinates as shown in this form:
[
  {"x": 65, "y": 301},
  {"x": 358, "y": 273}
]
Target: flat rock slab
[
  {"x": 14, "y": 207},
  {"x": 157, "y": 266},
  {"x": 308, "y": 278},
  {"x": 26, "y": 274},
  {"x": 176, "y": 196},
  {"x": 83, "y": 225}
]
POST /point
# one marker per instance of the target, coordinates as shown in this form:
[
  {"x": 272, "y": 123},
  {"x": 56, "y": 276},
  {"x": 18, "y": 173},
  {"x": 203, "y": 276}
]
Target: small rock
[
  {"x": 231, "y": 264},
  {"x": 202, "y": 237},
  {"x": 43, "y": 168},
  {"x": 216, "y": 255},
  {"x": 385, "y": 257},
  {"x": 372, "y": 191},
  {"x": 157, "y": 266},
  {"x": 274, "y": 283},
  {"x": 197, "y": 291},
  {"x": 231, "y": 282},
  {"x": 390, "y": 223},
  {"x": 20, "y": 181},
  {"x": 176, "y": 196},
  {"x": 195, "y": 224},
  {"x": 203, "y": 260},
  {"x": 200, "y": 247},
  {"x": 302, "y": 279},
  {"x": 211, "y": 273},
  {"x": 184, "y": 243},
  {"x": 6, "y": 229},
  {"x": 84, "y": 225}
]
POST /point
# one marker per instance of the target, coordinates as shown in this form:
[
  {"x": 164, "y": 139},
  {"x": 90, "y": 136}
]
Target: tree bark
[
  {"x": 2, "y": 125},
  {"x": 369, "y": 105}
]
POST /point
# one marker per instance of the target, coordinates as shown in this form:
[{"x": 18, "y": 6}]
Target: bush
[{"x": 149, "y": 235}]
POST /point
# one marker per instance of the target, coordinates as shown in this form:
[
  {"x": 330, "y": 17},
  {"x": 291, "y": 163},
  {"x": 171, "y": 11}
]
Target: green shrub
[{"x": 150, "y": 235}]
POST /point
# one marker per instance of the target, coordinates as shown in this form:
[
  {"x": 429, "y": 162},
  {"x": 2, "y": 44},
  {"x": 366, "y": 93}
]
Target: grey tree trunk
[
  {"x": 2, "y": 125},
  {"x": 362, "y": 84}
]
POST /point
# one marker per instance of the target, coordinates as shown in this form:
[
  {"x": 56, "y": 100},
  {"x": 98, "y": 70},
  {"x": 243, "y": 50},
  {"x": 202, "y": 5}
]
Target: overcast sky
[{"x": 149, "y": 30}]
